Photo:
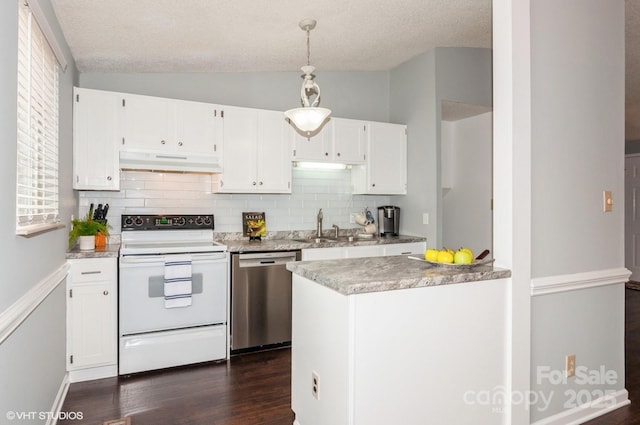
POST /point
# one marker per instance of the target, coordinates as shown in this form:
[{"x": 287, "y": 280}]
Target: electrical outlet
[
  {"x": 352, "y": 218},
  {"x": 570, "y": 365},
  {"x": 315, "y": 385}
]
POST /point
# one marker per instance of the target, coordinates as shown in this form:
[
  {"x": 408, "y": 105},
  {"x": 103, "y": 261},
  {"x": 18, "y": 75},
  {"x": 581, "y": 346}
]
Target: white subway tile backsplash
[{"x": 190, "y": 193}]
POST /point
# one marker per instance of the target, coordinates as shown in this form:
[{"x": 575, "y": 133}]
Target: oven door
[{"x": 141, "y": 294}]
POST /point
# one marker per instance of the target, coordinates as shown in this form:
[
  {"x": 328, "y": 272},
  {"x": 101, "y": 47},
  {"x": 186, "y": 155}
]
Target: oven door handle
[{"x": 196, "y": 258}]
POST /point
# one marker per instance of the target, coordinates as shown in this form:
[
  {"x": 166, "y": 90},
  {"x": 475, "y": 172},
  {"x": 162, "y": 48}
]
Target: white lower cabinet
[
  {"x": 92, "y": 319},
  {"x": 333, "y": 253}
]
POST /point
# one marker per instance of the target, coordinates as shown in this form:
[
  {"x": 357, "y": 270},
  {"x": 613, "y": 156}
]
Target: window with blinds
[{"x": 37, "y": 150}]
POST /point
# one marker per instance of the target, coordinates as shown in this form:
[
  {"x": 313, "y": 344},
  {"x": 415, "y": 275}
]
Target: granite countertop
[
  {"x": 109, "y": 251},
  {"x": 376, "y": 274},
  {"x": 286, "y": 244}
]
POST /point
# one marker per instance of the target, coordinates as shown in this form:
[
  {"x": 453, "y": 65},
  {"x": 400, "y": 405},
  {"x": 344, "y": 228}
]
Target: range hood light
[{"x": 320, "y": 165}]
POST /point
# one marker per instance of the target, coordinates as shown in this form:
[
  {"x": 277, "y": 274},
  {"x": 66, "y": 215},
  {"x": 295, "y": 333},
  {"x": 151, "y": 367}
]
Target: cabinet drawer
[{"x": 92, "y": 270}]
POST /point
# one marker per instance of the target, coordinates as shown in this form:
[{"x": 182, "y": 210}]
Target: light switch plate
[
  {"x": 425, "y": 218},
  {"x": 607, "y": 201}
]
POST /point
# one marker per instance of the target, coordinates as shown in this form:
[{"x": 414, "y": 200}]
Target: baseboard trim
[
  {"x": 588, "y": 411},
  {"x": 572, "y": 282},
  {"x": 89, "y": 374},
  {"x": 56, "y": 408},
  {"x": 13, "y": 316}
]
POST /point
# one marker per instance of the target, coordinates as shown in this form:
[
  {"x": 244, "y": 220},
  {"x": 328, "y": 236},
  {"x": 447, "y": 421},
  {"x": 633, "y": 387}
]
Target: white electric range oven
[{"x": 156, "y": 332}]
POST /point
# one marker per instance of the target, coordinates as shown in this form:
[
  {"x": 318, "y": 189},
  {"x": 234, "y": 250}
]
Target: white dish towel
[{"x": 177, "y": 281}]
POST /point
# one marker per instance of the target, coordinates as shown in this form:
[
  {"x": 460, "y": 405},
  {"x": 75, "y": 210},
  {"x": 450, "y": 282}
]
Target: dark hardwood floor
[
  {"x": 255, "y": 389},
  {"x": 249, "y": 389}
]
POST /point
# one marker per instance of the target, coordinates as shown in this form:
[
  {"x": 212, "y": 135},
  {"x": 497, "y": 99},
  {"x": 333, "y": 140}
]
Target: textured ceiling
[{"x": 263, "y": 35}]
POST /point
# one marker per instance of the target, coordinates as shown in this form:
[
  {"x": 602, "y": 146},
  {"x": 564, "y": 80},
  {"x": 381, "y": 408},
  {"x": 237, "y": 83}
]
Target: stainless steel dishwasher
[{"x": 260, "y": 299}]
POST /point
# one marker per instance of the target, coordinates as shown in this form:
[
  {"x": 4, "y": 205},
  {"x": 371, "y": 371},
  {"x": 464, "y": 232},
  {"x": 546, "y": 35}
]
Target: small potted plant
[{"x": 86, "y": 230}]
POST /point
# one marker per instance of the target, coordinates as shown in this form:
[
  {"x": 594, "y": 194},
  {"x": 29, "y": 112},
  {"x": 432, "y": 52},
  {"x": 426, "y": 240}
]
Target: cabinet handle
[
  {"x": 338, "y": 153},
  {"x": 260, "y": 183},
  {"x": 179, "y": 143},
  {"x": 374, "y": 185},
  {"x": 326, "y": 154},
  {"x": 163, "y": 142},
  {"x": 109, "y": 178},
  {"x": 105, "y": 293},
  {"x": 92, "y": 272},
  {"x": 254, "y": 183}
]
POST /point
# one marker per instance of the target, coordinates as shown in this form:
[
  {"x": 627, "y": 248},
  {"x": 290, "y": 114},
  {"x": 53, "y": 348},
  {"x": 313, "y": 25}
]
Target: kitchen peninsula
[{"x": 395, "y": 340}]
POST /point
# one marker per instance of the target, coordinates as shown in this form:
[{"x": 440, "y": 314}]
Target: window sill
[{"x": 36, "y": 229}]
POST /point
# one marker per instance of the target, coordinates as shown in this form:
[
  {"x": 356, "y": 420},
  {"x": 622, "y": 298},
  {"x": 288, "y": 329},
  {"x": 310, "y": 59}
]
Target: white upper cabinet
[
  {"x": 96, "y": 139},
  {"x": 385, "y": 172},
  {"x": 340, "y": 140},
  {"x": 256, "y": 152},
  {"x": 349, "y": 140},
  {"x": 168, "y": 125}
]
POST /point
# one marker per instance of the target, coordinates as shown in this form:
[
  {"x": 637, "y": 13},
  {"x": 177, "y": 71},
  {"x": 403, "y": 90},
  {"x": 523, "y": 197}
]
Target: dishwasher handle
[{"x": 266, "y": 259}]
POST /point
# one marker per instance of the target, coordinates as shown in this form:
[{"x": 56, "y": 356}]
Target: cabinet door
[
  {"x": 273, "y": 152},
  {"x": 149, "y": 123},
  {"x": 365, "y": 251},
  {"x": 405, "y": 248},
  {"x": 333, "y": 253},
  {"x": 387, "y": 159},
  {"x": 198, "y": 127},
  {"x": 96, "y": 139},
  {"x": 348, "y": 140},
  {"x": 315, "y": 149},
  {"x": 239, "y": 147},
  {"x": 92, "y": 324}
]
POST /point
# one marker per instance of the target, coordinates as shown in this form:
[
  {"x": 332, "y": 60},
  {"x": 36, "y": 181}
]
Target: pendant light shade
[{"x": 309, "y": 118}]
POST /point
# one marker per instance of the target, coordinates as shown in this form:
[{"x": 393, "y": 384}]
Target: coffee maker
[{"x": 388, "y": 220}]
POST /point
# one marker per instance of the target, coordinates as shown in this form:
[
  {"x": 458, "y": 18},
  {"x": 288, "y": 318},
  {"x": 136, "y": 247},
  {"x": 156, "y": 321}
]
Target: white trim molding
[
  {"x": 571, "y": 282},
  {"x": 59, "y": 400},
  {"x": 586, "y": 412},
  {"x": 13, "y": 316}
]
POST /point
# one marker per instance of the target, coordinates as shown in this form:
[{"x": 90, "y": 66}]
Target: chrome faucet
[
  {"x": 335, "y": 226},
  {"x": 319, "y": 224}
]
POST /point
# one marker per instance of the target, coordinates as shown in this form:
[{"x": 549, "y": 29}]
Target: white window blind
[{"x": 37, "y": 149}]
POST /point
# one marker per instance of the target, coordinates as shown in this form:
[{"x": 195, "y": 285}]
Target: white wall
[
  {"x": 577, "y": 151},
  {"x": 178, "y": 193},
  {"x": 467, "y": 215},
  {"x": 33, "y": 357}
]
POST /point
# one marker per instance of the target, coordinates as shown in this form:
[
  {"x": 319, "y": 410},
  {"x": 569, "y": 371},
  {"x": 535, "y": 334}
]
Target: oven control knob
[
  {"x": 139, "y": 221},
  {"x": 207, "y": 221},
  {"x": 128, "y": 221},
  {"x": 181, "y": 221},
  {"x": 199, "y": 221}
]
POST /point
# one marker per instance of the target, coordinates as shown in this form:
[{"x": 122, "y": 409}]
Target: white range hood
[{"x": 157, "y": 161}]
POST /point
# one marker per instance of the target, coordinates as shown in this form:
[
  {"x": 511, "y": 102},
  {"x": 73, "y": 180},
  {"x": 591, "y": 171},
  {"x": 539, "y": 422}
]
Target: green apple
[{"x": 463, "y": 257}]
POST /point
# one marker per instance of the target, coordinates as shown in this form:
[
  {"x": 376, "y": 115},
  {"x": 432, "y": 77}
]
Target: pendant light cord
[{"x": 308, "y": 48}]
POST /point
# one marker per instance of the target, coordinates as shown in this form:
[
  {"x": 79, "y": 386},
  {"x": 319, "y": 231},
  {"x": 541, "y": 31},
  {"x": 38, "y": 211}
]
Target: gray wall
[
  {"x": 32, "y": 359},
  {"x": 577, "y": 86},
  {"x": 417, "y": 88},
  {"x": 358, "y": 95}
]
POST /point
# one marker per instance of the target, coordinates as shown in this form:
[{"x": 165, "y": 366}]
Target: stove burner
[{"x": 167, "y": 222}]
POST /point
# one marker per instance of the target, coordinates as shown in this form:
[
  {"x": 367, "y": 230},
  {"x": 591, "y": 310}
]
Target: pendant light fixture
[{"x": 309, "y": 118}]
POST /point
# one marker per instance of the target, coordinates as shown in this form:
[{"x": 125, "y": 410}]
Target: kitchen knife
[
  {"x": 96, "y": 214},
  {"x": 90, "y": 211},
  {"x": 104, "y": 211}
]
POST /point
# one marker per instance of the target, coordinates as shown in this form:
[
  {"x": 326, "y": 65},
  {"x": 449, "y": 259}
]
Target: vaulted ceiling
[{"x": 263, "y": 35}]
